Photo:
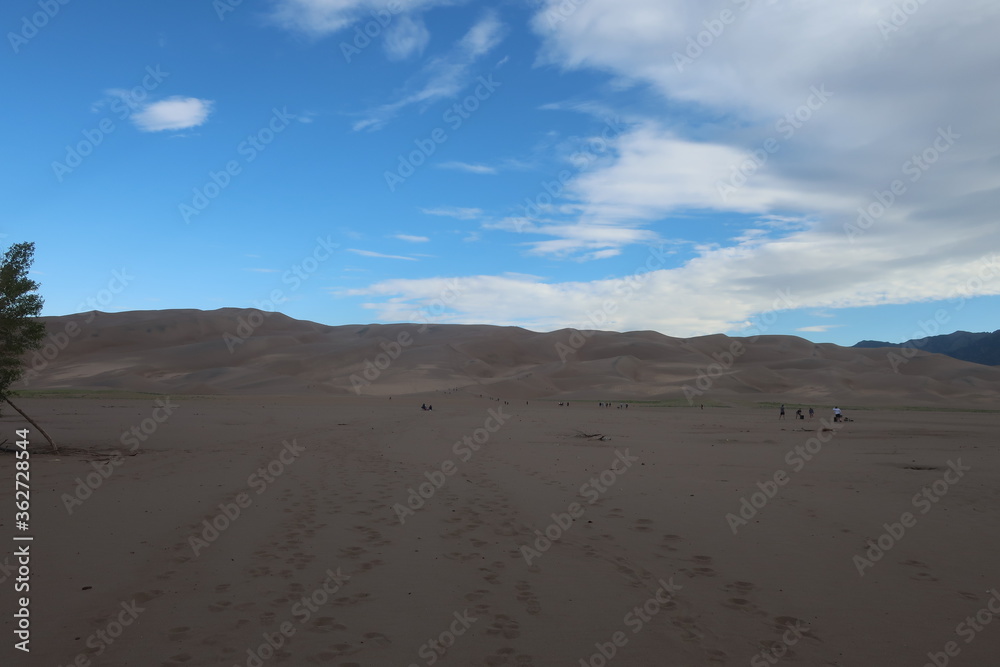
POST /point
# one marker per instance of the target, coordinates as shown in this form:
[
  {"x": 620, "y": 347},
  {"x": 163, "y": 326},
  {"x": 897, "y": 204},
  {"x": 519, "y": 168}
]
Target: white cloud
[
  {"x": 723, "y": 290},
  {"x": 466, "y": 166},
  {"x": 443, "y": 76},
  {"x": 574, "y": 238},
  {"x": 322, "y": 17},
  {"x": 819, "y": 328},
  {"x": 603, "y": 254},
  {"x": 406, "y": 36},
  {"x": 173, "y": 113},
  {"x": 454, "y": 212},
  {"x": 371, "y": 253},
  {"x": 411, "y": 239}
]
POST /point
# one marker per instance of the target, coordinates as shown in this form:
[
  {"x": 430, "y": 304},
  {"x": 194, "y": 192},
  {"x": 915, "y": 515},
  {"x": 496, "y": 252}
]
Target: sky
[{"x": 824, "y": 169}]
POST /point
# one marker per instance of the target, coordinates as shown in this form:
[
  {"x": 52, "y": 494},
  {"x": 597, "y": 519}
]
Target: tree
[{"x": 19, "y": 331}]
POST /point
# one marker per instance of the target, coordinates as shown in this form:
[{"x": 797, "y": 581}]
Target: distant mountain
[{"x": 979, "y": 348}]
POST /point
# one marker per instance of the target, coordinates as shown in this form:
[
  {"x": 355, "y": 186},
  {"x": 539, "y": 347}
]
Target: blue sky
[{"x": 686, "y": 167}]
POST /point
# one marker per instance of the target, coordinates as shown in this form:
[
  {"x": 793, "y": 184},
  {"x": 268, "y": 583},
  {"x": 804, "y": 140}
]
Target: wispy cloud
[
  {"x": 371, "y": 253},
  {"x": 454, "y": 212},
  {"x": 322, "y": 17},
  {"x": 410, "y": 238},
  {"x": 442, "y": 77},
  {"x": 469, "y": 167},
  {"x": 406, "y": 36},
  {"x": 819, "y": 328},
  {"x": 173, "y": 113}
]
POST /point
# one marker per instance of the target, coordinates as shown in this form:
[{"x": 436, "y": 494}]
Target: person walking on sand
[
  {"x": 781, "y": 415},
  {"x": 810, "y": 413},
  {"x": 836, "y": 414}
]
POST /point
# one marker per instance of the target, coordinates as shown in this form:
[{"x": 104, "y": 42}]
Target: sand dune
[{"x": 234, "y": 351}]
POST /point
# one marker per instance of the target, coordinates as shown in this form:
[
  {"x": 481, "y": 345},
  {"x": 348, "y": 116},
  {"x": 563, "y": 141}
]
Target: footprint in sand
[
  {"x": 744, "y": 605},
  {"x": 667, "y": 543},
  {"x": 180, "y": 658},
  {"x": 642, "y": 525},
  {"x": 371, "y": 565},
  {"x": 526, "y": 595},
  {"x": 378, "y": 638},
  {"x": 698, "y": 572},
  {"x": 490, "y": 575},
  {"x": 919, "y": 576},
  {"x": 782, "y": 623},
  {"x": 688, "y": 627},
  {"x": 505, "y": 626},
  {"x": 739, "y": 587},
  {"x": 351, "y": 552},
  {"x": 328, "y": 623}
]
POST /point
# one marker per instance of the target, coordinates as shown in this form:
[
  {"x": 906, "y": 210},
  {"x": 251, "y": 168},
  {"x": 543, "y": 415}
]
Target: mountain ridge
[{"x": 974, "y": 347}]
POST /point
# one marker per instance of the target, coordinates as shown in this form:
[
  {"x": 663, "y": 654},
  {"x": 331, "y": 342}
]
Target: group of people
[
  {"x": 798, "y": 413},
  {"x": 838, "y": 414}
]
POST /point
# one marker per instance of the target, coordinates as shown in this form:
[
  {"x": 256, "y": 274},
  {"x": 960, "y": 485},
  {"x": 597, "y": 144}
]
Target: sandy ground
[{"x": 648, "y": 571}]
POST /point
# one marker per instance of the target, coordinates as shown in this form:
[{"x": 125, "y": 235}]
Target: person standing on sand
[
  {"x": 781, "y": 415},
  {"x": 810, "y": 413},
  {"x": 836, "y": 414}
]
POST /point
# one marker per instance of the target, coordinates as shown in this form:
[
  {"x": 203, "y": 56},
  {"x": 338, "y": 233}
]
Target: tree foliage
[{"x": 19, "y": 306}]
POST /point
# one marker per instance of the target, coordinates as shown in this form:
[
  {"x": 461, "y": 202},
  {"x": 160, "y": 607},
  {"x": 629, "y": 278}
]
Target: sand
[
  {"x": 648, "y": 571},
  {"x": 236, "y": 351}
]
